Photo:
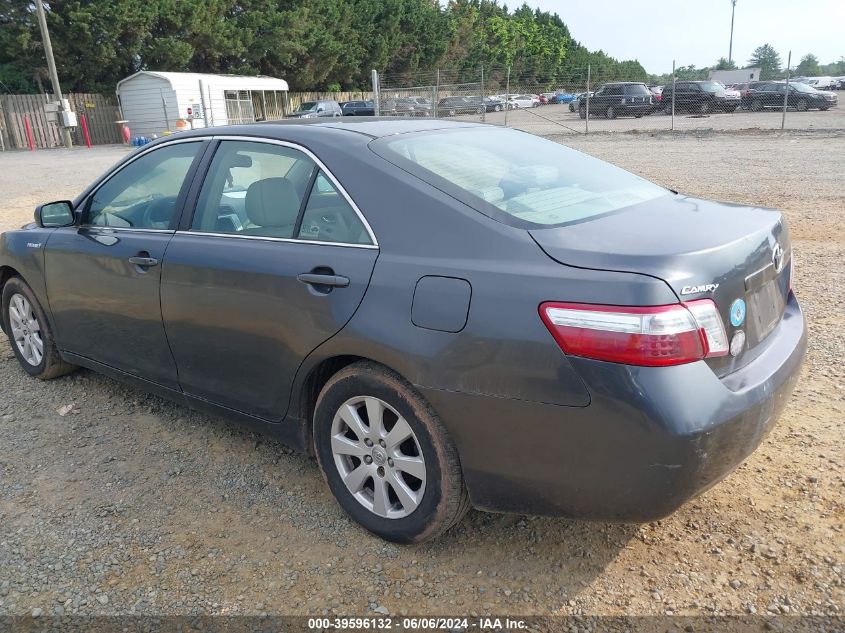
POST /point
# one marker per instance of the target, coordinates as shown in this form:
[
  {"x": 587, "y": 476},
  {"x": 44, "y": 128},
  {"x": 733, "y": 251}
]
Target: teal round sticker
[{"x": 737, "y": 312}]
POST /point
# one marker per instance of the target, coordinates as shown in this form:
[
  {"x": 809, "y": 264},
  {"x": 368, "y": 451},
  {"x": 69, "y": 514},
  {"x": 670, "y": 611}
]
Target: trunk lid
[{"x": 701, "y": 249}]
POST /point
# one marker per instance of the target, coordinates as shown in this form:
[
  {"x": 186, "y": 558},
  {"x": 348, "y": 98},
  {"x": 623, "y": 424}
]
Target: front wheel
[
  {"x": 756, "y": 105},
  {"x": 498, "y": 108},
  {"x": 386, "y": 456},
  {"x": 611, "y": 112},
  {"x": 29, "y": 332},
  {"x": 802, "y": 105}
]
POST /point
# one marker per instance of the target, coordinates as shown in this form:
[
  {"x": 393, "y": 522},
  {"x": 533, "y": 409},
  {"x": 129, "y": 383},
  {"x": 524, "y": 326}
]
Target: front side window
[
  {"x": 515, "y": 177},
  {"x": 308, "y": 106},
  {"x": 143, "y": 194},
  {"x": 268, "y": 190}
]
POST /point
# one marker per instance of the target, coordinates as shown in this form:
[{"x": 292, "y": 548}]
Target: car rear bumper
[
  {"x": 651, "y": 438},
  {"x": 639, "y": 108}
]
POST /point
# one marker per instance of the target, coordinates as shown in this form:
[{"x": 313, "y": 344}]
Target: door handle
[
  {"x": 317, "y": 279},
  {"x": 143, "y": 261}
]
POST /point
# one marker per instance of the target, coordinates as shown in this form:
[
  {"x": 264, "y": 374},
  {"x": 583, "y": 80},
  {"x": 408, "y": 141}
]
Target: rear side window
[
  {"x": 267, "y": 190},
  {"x": 515, "y": 177},
  {"x": 637, "y": 90}
]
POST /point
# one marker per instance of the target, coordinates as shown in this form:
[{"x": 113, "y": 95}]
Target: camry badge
[
  {"x": 737, "y": 312},
  {"x": 737, "y": 343},
  {"x": 688, "y": 290},
  {"x": 778, "y": 257}
]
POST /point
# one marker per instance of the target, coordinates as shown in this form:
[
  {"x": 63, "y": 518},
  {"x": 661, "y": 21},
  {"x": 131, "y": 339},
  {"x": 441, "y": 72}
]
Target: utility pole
[
  {"x": 731, "y": 45},
  {"x": 51, "y": 66}
]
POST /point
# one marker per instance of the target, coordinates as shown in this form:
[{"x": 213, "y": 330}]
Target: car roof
[{"x": 374, "y": 127}]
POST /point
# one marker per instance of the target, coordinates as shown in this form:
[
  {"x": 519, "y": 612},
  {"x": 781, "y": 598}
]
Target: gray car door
[
  {"x": 103, "y": 275},
  {"x": 275, "y": 261}
]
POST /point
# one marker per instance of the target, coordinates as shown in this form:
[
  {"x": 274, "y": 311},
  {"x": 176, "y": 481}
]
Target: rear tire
[
  {"x": 398, "y": 475},
  {"x": 582, "y": 112},
  {"x": 756, "y": 105},
  {"x": 29, "y": 332},
  {"x": 704, "y": 108},
  {"x": 610, "y": 113},
  {"x": 667, "y": 109}
]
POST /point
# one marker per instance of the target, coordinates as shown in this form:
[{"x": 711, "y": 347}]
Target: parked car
[
  {"x": 576, "y": 102},
  {"x": 405, "y": 106},
  {"x": 820, "y": 83},
  {"x": 477, "y": 344},
  {"x": 489, "y": 104},
  {"x": 619, "y": 99},
  {"x": 358, "y": 108},
  {"x": 801, "y": 97},
  {"x": 543, "y": 99},
  {"x": 657, "y": 97},
  {"x": 451, "y": 106},
  {"x": 314, "y": 109},
  {"x": 564, "y": 97},
  {"x": 422, "y": 105},
  {"x": 701, "y": 97},
  {"x": 523, "y": 101}
]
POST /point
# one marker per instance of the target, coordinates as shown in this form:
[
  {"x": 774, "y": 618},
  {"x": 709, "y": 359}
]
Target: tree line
[
  {"x": 768, "y": 60},
  {"x": 313, "y": 44}
]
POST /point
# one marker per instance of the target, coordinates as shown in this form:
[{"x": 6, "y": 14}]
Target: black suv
[
  {"x": 358, "y": 108},
  {"x": 701, "y": 97},
  {"x": 619, "y": 99},
  {"x": 801, "y": 97}
]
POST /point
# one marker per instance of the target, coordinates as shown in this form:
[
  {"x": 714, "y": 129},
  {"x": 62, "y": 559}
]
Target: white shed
[{"x": 161, "y": 102}]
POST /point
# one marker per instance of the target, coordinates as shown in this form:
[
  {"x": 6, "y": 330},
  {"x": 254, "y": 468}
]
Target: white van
[{"x": 820, "y": 83}]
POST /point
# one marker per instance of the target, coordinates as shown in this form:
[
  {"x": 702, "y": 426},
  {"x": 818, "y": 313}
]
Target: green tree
[
  {"x": 808, "y": 66},
  {"x": 768, "y": 60},
  {"x": 724, "y": 64}
]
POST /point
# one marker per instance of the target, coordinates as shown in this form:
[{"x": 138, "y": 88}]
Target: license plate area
[{"x": 765, "y": 309}]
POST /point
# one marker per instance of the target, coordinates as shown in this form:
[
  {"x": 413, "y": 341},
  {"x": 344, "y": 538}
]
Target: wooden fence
[
  {"x": 100, "y": 112},
  {"x": 295, "y": 98}
]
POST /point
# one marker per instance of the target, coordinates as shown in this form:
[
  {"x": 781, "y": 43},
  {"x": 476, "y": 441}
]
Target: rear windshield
[
  {"x": 515, "y": 177},
  {"x": 636, "y": 89},
  {"x": 711, "y": 86}
]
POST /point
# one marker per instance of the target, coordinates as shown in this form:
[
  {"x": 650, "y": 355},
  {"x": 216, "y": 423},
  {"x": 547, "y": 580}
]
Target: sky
[{"x": 698, "y": 32}]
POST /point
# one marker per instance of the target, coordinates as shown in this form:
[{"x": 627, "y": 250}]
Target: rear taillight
[{"x": 654, "y": 336}]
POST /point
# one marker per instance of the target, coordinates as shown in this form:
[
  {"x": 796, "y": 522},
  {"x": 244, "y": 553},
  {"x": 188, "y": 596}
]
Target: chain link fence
[{"x": 594, "y": 100}]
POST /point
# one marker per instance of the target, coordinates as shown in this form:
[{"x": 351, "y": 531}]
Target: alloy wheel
[
  {"x": 378, "y": 457},
  {"x": 26, "y": 331}
]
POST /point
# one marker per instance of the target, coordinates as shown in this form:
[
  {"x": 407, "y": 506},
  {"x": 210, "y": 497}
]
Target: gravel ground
[{"x": 131, "y": 504}]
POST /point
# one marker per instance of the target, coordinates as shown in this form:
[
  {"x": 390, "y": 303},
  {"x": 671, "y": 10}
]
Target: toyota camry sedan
[{"x": 445, "y": 314}]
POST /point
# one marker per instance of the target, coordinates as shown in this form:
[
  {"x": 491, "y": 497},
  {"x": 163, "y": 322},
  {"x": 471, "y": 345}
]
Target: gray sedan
[{"x": 446, "y": 314}]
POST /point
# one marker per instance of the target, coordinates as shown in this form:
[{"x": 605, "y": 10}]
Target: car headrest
[{"x": 272, "y": 202}]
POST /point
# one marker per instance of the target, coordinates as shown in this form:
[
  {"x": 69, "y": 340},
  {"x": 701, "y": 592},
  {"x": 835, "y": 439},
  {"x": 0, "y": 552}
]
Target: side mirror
[{"x": 55, "y": 214}]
